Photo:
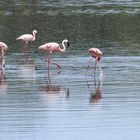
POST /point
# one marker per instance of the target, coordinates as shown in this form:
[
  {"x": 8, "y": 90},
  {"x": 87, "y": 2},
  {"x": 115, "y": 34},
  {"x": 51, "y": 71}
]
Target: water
[{"x": 71, "y": 108}]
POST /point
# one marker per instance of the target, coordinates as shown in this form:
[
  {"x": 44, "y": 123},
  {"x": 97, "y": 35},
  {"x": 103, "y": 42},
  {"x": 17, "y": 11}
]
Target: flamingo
[
  {"x": 54, "y": 47},
  {"x": 97, "y": 54},
  {"x": 27, "y": 38},
  {"x": 3, "y": 48}
]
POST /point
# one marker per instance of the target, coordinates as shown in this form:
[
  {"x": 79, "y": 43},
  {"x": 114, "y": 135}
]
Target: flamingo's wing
[
  {"x": 54, "y": 47},
  {"x": 25, "y": 37},
  {"x": 50, "y": 47}
]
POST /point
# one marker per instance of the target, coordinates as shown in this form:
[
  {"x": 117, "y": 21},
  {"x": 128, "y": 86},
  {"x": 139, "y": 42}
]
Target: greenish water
[{"x": 112, "y": 31}]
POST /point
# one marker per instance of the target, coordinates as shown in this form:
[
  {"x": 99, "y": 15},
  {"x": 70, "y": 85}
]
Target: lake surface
[{"x": 68, "y": 105}]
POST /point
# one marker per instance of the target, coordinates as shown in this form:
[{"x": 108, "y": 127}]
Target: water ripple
[{"x": 79, "y": 7}]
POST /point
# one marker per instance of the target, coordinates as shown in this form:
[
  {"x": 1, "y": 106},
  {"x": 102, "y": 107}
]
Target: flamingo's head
[
  {"x": 66, "y": 42},
  {"x": 34, "y": 31}
]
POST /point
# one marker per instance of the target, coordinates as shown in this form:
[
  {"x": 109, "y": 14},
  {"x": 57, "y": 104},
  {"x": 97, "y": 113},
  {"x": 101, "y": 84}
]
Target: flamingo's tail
[{"x": 18, "y": 38}]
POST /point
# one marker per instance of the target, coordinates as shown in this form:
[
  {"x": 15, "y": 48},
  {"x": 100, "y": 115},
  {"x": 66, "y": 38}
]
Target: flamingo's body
[
  {"x": 97, "y": 54},
  {"x": 54, "y": 47},
  {"x": 27, "y": 38},
  {"x": 51, "y": 47}
]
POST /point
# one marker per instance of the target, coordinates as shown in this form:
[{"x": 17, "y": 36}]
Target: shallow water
[
  {"x": 31, "y": 109},
  {"x": 35, "y": 106}
]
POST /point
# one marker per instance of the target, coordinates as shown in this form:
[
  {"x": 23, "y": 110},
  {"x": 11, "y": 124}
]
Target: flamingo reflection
[
  {"x": 27, "y": 71},
  {"x": 95, "y": 90},
  {"x": 54, "y": 91},
  {"x": 96, "y": 95}
]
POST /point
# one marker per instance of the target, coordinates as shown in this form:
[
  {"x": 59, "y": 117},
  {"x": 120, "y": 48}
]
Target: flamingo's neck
[
  {"x": 34, "y": 37},
  {"x": 63, "y": 46},
  {"x": 101, "y": 71}
]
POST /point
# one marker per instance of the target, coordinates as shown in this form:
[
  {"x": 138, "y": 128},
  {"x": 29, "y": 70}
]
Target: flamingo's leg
[
  {"x": 88, "y": 66},
  {"x": 58, "y": 66},
  {"x": 25, "y": 53},
  {"x": 101, "y": 71},
  {"x": 25, "y": 59},
  {"x": 95, "y": 72},
  {"x": 49, "y": 61},
  {"x": 49, "y": 79}
]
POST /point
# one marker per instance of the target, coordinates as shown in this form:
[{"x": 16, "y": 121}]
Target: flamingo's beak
[{"x": 68, "y": 44}]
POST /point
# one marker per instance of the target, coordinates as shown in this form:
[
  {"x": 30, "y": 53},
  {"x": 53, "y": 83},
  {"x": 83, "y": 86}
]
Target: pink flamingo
[
  {"x": 3, "y": 48},
  {"x": 54, "y": 47},
  {"x": 27, "y": 38},
  {"x": 97, "y": 54}
]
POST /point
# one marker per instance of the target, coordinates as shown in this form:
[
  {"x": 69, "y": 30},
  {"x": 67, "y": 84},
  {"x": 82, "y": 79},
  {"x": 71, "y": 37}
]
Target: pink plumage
[
  {"x": 3, "y": 46},
  {"x": 97, "y": 54},
  {"x": 28, "y": 37},
  {"x": 54, "y": 47},
  {"x": 51, "y": 47}
]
